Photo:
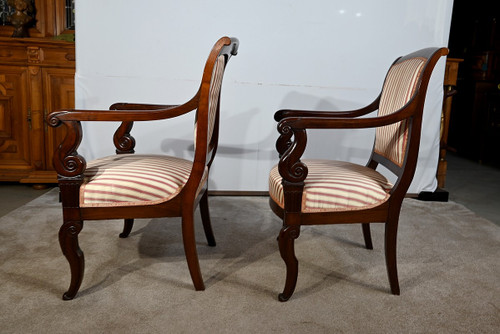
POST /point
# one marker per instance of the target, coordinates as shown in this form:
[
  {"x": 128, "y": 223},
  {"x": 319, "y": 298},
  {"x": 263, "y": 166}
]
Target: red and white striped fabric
[
  {"x": 398, "y": 89},
  {"x": 334, "y": 186},
  {"x": 213, "y": 98},
  {"x": 133, "y": 179}
]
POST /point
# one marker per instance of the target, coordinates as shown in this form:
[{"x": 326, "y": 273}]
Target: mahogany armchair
[
  {"x": 127, "y": 185},
  {"x": 320, "y": 192}
]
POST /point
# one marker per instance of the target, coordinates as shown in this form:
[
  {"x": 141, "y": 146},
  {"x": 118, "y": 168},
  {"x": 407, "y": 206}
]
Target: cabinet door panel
[
  {"x": 59, "y": 87},
  {"x": 14, "y": 121}
]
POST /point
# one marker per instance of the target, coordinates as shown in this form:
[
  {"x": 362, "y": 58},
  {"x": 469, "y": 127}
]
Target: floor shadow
[{"x": 160, "y": 241}]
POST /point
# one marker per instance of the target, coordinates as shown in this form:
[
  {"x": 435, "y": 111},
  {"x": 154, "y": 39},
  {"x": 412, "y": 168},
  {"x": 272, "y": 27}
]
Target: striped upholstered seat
[
  {"x": 335, "y": 186},
  {"x": 133, "y": 179}
]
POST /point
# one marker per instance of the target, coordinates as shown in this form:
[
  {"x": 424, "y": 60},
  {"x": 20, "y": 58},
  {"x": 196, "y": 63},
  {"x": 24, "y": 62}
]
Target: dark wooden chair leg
[
  {"x": 127, "y": 228},
  {"x": 391, "y": 229},
  {"x": 68, "y": 239},
  {"x": 205, "y": 218},
  {"x": 188, "y": 237},
  {"x": 367, "y": 235},
  {"x": 286, "y": 240}
]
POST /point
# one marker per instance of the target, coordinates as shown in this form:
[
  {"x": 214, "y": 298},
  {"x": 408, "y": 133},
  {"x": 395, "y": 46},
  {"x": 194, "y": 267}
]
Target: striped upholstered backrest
[
  {"x": 399, "y": 87},
  {"x": 213, "y": 100}
]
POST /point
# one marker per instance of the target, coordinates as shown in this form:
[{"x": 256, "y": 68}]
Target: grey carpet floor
[{"x": 448, "y": 266}]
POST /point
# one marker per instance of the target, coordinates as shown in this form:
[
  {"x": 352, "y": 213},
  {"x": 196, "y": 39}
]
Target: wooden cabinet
[
  {"x": 15, "y": 160},
  {"x": 450, "y": 83},
  {"x": 36, "y": 78},
  {"x": 59, "y": 89}
]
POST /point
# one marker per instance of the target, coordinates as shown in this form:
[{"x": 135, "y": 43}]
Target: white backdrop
[{"x": 315, "y": 54}]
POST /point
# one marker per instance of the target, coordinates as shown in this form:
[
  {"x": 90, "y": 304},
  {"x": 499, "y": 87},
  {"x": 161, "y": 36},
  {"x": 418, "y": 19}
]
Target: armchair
[
  {"x": 127, "y": 185},
  {"x": 320, "y": 192}
]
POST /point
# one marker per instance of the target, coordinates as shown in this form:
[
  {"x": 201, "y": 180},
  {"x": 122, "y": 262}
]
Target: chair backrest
[
  {"x": 207, "y": 115},
  {"x": 399, "y": 87},
  {"x": 214, "y": 95},
  {"x": 404, "y": 90}
]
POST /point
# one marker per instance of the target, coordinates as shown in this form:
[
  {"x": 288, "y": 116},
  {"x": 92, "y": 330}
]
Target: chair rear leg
[
  {"x": 68, "y": 239},
  {"x": 367, "y": 235},
  {"x": 205, "y": 218},
  {"x": 286, "y": 240},
  {"x": 188, "y": 238},
  {"x": 391, "y": 231},
  {"x": 127, "y": 228}
]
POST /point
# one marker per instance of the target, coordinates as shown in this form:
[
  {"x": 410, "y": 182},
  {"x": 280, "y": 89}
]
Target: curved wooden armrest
[
  {"x": 290, "y": 167},
  {"x": 285, "y": 113},
  {"x": 345, "y": 123},
  {"x": 68, "y": 163},
  {"x": 122, "y": 139},
  {"x": 55, "y": 118},
  {"x": 140, "y": 106}
]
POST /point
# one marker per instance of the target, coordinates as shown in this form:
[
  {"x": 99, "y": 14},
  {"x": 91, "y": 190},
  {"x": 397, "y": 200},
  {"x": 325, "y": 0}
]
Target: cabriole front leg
[
  {"x": 286, "y": 240},
  {"x": 68, "y": 239}
]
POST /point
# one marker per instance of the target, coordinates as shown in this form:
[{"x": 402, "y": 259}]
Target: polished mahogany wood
[
  {"x": 291, "y": 144},
  {"x": 70, "y": 167},
  {"x": 284, "y": 113}
]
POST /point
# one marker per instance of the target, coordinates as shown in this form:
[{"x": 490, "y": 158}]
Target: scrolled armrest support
[
  {"x": 67, "y": 162},
  {"x": 290, "y": 167},
  {"x": 284, "y": 140},
  {"x": 122, "y": 139}
]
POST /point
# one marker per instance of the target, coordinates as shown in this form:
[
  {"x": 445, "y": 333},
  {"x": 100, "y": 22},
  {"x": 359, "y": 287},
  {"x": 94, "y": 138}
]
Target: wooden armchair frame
[
  {"x": 292, "y": 142},
  {"x": 71, "y": 167}
]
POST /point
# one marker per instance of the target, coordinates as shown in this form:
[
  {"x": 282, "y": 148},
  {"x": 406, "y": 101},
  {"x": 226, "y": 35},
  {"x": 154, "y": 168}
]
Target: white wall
[{"x": 315, "y": 54}]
